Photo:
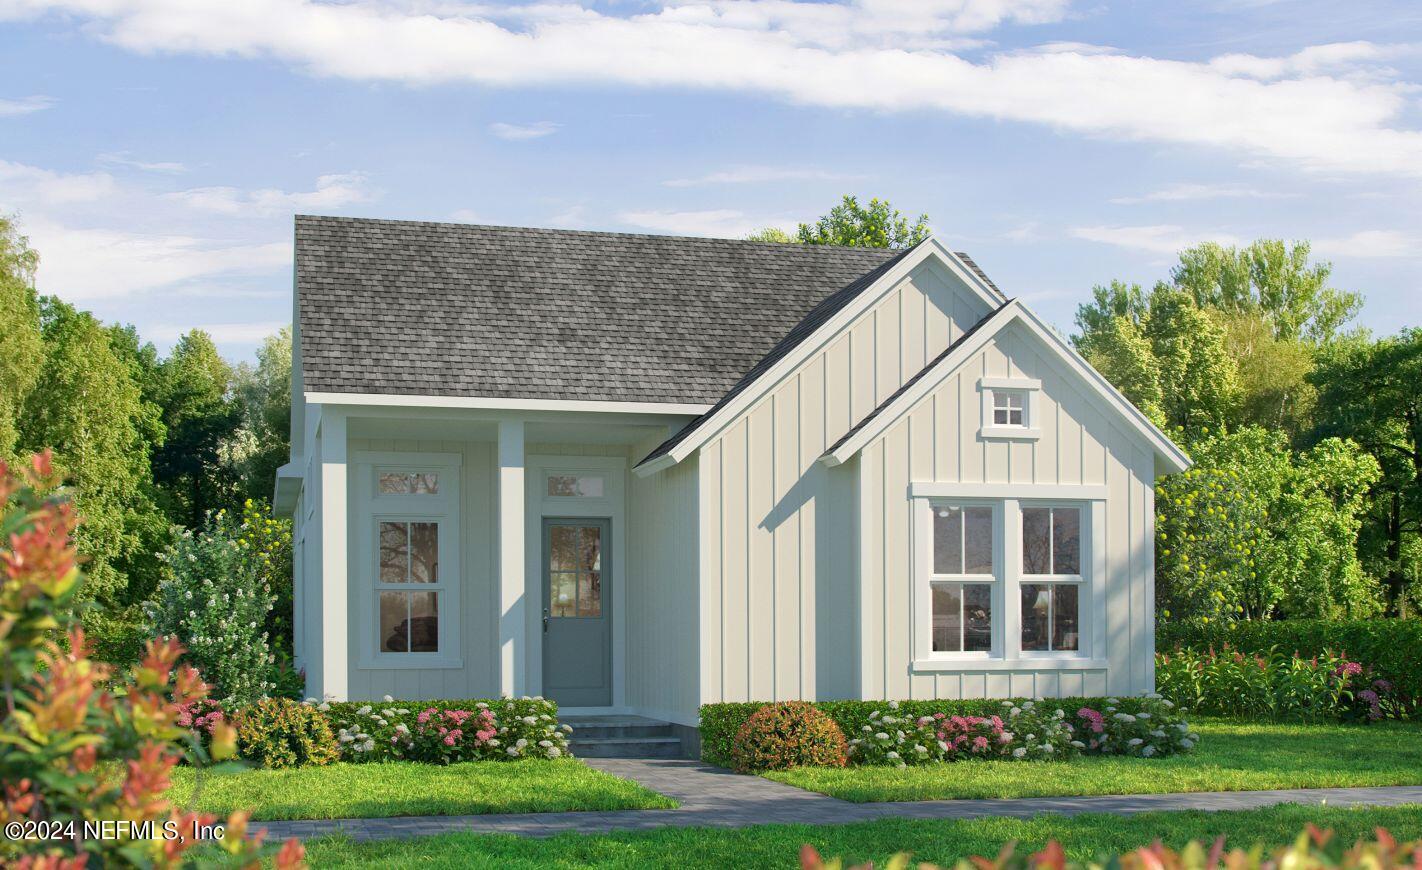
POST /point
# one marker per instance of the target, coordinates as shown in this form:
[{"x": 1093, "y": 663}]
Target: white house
[{"x": 640, "y": 473}]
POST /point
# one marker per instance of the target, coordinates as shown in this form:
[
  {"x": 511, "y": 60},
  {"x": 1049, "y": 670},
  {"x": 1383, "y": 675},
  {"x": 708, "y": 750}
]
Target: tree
[
  {"x": 771, "y": 234},
  {"x": 23, "y": 348},
  {"x": 262, "y": 442},
  {"x": 199, "y": 417},
  {"x": 1369, "y": 392},
  {"x": 877, "y": 225}
]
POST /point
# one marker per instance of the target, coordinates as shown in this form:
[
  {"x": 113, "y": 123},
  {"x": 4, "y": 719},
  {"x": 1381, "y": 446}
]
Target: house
[{"x": 641, "y": 473}]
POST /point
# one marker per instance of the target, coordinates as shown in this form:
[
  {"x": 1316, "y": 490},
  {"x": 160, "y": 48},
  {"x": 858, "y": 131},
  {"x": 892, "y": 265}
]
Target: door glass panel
[
  {"x": 424, "y": 621},
  {"x": 394, "y": 625},
  {"x": 591, "y": 549},
  {"x": 562, "y": 593},
  {"x": 394, "y": 552},
  {"x": 590, "y": 594},
  {"x": 563, "y": 549},
  {"x": 424, "y": 552}
]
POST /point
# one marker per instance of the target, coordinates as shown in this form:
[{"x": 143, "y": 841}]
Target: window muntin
[
  {"x": 576, "y": 486},
  {"x": 407, "y": 483},
  {"x": 575, "y": 571},
  {"x": 964, "y": 546},
  {"x": 1009, "y": 408},
  {"x": 408, "y": 586}
]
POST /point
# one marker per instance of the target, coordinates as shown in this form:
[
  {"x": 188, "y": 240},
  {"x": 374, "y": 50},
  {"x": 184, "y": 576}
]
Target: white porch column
[
  {"x": 513, "y": 641},
  {"x": 335, "y": 600}
]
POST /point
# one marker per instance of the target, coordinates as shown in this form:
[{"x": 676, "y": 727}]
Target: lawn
[
  {"x": 341, "y": 791},
  {"x": 942, "y": 842},
  {"x": 1232, "y": 756}
]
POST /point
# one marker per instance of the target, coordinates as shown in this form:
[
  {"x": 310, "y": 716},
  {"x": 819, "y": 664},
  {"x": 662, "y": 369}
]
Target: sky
[{"x": 155, "y": 151}]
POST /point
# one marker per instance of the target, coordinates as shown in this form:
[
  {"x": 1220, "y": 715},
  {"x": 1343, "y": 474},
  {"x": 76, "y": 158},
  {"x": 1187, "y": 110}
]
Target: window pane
[
  {"x": 394, "y": 483},
  {"x": 1066, "y": 633},
  {"x": 1014, "y": 417},
  {"x": 977, "y": 617},
  {"x": 424, "y": 484},
  {"x": 394, "y": 552},
  {"x": 563, "y": 549},
  {"x": 977, "y": 556},
  {"x": 591, "y": 550},
  {"x": 424, "y": 552},
  {"x": 562, "y": 593},
  {"x": 408, "y": 483},
  {"x": 562, "y": 485},
  {"x": 947, "y": 617},
  {"x": 590, "y": 594},
  {"x": 1036, "y": 541},
  {"x": 999, "y": 416},
  {"x": 394, "y": 622},
  {"x": 575, "y": 485},
  {"x": 947, "y": 540},
  {"x": 1066, "y": 541},
  {"x": 424, "y": 622},
  {"x": 1036, "y": 626}
]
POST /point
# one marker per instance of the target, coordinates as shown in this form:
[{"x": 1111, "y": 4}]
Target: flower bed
[{"x": 444, "y": 732}]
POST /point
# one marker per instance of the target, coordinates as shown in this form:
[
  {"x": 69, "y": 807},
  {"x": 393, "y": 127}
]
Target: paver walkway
[{"x": 716, "y": 798}]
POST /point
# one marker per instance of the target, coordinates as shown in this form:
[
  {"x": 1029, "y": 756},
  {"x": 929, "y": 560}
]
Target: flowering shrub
[
  {"x": 788, "y": 734},
  {"x": 78, "y": 742},
  {"x": 214, "y": 599},
  {"x": 1024, "y": 731},
  {"x": 444, "y": 732},
  {"x": 1275, "y": 686},
  {"x": 279, "y": 732},
  {"x": 204, "y": 717}
]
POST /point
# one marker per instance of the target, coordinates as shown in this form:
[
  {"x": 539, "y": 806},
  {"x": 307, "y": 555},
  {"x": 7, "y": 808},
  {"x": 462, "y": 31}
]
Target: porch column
[
  {"x": 334, "y": 652},
  {"x": 513, "y": 641}
]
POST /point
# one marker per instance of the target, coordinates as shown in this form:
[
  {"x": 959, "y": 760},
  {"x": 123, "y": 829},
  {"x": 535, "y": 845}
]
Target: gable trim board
[
  {"x": 892, "y": 409},
  {"x": 758, "y": 383},
  {"x": 401, "y": 400}
]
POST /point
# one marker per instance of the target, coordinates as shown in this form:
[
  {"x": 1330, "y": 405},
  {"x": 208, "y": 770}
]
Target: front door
[{"x": 577, "y": 618}]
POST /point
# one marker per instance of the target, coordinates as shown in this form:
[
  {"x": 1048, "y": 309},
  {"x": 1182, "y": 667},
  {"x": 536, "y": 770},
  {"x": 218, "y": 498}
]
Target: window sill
[
  {"x": 938, "y": 666},
  {"x": 1009, "y": 433},
  {"x": 434, "y": 662}
]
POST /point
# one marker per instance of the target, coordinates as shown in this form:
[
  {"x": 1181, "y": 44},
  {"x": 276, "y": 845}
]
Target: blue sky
[{"x": 155, "y": 150}]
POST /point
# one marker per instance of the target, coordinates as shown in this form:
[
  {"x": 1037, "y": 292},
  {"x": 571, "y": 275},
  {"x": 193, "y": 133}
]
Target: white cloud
[
  {"x": 222, "y": 333},
  {"x": 1370, "y": 244},
  {"x": 123, "y": 158},
  {"x": 760, "y": 175},
  {"x": 523, "y": 132},
  {"x": 1157, "y": 239},
  {"x": 332, "y": 192},
  {"x": 24, "y": 105},
  {"x": 1331, "y": 107},
  {"x": 1185, "y": 191},
  {"x": 467, "y": 216},
  {"x": 716, "y": 223},
  {"x": 22, "y": 185}
]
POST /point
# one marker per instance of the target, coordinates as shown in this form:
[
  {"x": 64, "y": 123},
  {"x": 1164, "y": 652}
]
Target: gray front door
[{"x": 577, "y": 617}]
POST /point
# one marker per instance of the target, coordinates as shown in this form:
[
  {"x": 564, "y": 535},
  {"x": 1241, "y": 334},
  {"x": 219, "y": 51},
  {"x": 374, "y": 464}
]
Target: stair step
[
  {"x": 660, "y": 729},
  {"x": 626, "y": 747}
]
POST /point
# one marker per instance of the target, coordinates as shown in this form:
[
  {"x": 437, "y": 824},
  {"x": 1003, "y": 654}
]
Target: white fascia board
[
  {"x": 646, "y": 469},
  {"x": 926, "y": 384},
  {"x": 826, "y": 332},
  {"x": 498, "y": 404},
  {"x": 286, "y": 488}
]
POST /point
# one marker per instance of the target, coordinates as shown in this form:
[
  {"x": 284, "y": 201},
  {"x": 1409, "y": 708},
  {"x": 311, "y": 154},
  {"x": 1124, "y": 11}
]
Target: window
[
  {"x": 963, "y": 578},
  {"x": 575, "y": 485},
  {"x": 575, "y": 571},
  {"x": 1009, "y": 408},
  {"x": 408, "y": 586},
  {"x": 408, "y": 483},
  {"x": 1051, "y": 579}
]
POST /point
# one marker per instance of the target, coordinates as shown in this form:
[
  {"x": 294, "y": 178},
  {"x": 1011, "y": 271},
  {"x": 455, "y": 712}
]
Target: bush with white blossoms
[
  {"x": 443, "y": 732},
  {"x": 213, "y": 599},
  {"x": 1022, "y": 731}
]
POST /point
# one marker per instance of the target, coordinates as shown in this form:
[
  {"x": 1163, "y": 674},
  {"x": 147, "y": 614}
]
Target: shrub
[
  {"x": 279, "y": 732},
  {"x": 443, "y": 732},
  {"x": 1272, "y": 685},
  {"x": 204, "y": 717},
  {"x": 78, "y": 742},
  {"x": 785, "y": 735},
  {"x": 1390, "y": 647},
  {"x": 215, "y": 601},
  {"x": 720, "y": 722}
]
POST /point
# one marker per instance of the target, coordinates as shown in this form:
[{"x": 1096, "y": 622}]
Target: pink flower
[
  {"x": 425, "y": 716},
  {"x": 449, "y": 740},
  {"x": 1093, "y": 718},
  {"x": 980, "y": 743}
]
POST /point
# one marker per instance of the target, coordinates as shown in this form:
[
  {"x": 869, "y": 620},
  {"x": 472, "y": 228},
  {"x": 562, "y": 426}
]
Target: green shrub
[
  {"x": 279, "y": 732},
  {"x": 391, "y": 730},
  {"x": 1391, "y": 648},
  {"x": 720, "y": 722},
  {"x": 787, "y": 734}
]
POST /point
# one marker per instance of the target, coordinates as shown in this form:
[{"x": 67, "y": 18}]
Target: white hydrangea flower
[{"x": 1019, "y": 752}]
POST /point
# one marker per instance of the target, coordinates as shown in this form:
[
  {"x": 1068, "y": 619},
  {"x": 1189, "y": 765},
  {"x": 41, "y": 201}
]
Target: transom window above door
[
  {"x": 576, "y": 486},
  {"x": 407, "y": 483}
]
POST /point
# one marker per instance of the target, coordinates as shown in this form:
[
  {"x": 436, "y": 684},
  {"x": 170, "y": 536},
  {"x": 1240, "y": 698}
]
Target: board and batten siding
[
  {"x": 937, "y": 440},
  {"x": 777, "y": 564},
  {"x": 661, "y": 672}
]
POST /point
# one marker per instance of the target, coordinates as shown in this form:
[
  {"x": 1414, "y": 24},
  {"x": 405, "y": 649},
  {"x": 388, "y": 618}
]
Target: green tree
[
  {"x": 262, "y": 442},
  {"x": 771, "y": 234},
  {"x": 200, "y": 416},
  {"x": 22, "y": 350},
  {"x": 1369, "y": 391},
  {"x": 876, "y": 225}
]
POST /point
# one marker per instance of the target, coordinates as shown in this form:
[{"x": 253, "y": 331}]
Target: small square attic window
[{"x": 1009, "y": 408}]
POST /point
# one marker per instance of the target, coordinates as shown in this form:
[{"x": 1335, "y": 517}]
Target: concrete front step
[{"x": 626, "y": 747}]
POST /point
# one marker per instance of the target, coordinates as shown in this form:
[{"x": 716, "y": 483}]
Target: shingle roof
[{"x": 420, "y": 308}]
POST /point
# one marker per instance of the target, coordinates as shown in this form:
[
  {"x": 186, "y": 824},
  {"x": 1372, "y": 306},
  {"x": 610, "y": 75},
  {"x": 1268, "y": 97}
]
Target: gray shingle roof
[{"x": 421, "y": 308}]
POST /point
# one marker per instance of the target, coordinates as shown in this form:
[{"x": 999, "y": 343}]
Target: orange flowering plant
[{"x": 85, "y": 755}]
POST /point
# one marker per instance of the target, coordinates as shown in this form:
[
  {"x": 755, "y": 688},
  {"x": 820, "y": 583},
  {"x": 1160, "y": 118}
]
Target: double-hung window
[
  {"x": 964, "y": 582},
  {"x": 1050, "y": 590}
]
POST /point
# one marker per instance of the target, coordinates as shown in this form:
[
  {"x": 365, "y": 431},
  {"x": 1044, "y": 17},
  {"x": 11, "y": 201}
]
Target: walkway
[{"x": 716, "y": 798}]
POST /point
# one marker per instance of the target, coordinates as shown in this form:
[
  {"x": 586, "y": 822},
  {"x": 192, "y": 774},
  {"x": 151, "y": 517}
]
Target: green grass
[
  {"x": 1232, "y": 756},
  {"x": 341, "y": 791},
  {"x": 942, "y": 842}
]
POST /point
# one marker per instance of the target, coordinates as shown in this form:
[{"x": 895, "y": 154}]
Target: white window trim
[
  {"x": 1008, "y": 654},
  {"x": 1030, "y": 388},
  {"x": 374, "y": 508},
  {"x": 1082, "y": 580}
]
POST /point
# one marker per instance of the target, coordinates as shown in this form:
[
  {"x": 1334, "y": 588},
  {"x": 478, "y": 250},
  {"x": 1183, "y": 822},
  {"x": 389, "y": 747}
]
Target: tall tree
[
  {"x": 22, "y": 350},
  {"x": 876, "y": 225},
  {"x": 200, "y": 417},
  {"x": 263, "y": 396}
]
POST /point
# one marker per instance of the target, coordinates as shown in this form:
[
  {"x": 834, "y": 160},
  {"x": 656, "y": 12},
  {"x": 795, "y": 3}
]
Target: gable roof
[
  {"x": 1168, "y": 455},
  {"x": 437, "y": 309}
]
